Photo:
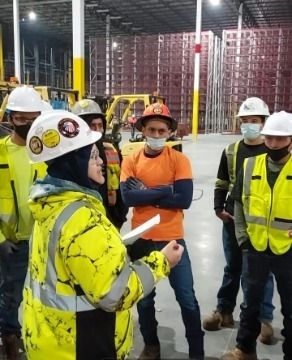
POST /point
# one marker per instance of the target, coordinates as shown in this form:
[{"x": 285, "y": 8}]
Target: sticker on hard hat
[
  {"x": 51, "y": 138},
  {"x": 68, "y": 128},
  {"x": 157, "y": 109},
  {"x": 83, "y": 103},
  {"x": 35, "y": 145}
]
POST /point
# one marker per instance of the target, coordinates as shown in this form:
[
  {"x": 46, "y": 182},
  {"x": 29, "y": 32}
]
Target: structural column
[
  {"x": 16, "y": 40},
  {"x": 78, "y": 46},
  {"x": 195, "y": 122}
]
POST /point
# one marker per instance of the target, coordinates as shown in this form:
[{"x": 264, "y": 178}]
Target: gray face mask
[{"x": 155, "y": 144}]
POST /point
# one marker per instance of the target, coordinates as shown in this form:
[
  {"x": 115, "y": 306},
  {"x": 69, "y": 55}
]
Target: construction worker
[
  {"x": 91, "y": 112},
  {"x": 158, "y": 180},
  {"x": 17, "y": 175},
  {"x": 252, "y": 113},
  {"x": 80, "y": 285},
  {"x": 263, "y": 223}
]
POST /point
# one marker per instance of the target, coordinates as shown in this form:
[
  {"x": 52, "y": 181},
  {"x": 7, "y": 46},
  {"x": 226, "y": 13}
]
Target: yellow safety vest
[
  {"x": 113, "y": 171},
  {"x": 231, "y": 155},
  {"x": 268, "y": 213},
  {"x": 8, "y": 199}
]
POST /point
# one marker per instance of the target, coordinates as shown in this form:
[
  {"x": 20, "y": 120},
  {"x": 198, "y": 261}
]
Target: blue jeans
[
  {"x": 228, "y": 291},
  {"x": 255, "y": 272},
  {"x": 181, "y": 280},
  {"x": 12, "y": 274}
]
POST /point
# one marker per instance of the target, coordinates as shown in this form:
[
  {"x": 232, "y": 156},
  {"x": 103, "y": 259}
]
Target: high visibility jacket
[
  {"x": 113, "y": 170},
  {"x": 231, "y": 151},
  {"x": 8, "y": 197},
  {"x": 80, "y": 286},
  {"x": 268, "y": 213}
]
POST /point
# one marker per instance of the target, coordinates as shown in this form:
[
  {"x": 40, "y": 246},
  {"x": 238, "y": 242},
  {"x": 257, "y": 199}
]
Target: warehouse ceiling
[{"x": 145, "y": 16}]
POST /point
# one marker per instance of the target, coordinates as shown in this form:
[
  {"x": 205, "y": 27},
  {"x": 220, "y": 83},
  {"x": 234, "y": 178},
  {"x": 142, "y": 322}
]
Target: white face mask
[
  {"x": 250, "y": 131},
  {"x": 155, "y": 144}
]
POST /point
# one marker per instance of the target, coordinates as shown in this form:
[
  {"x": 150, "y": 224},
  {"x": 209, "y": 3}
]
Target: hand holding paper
[{"x": 135, "y": 234}]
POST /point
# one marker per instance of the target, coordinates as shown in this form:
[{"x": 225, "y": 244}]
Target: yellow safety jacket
[
  {"x": 8, "y": 198},
  {"x": 80, "y": 285},
  {"x": 113, "y": 170},
  {"x": 268, "y": 213}
]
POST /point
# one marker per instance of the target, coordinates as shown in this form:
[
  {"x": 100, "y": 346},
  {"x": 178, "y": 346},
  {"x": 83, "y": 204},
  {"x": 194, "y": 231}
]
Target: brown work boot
[
  {"x": 11, "y": 347},
  {"x": 237, "y": 354},
  {"x": 267, "y": 333},
  {"x": 150, "y": 352},
  {"x": 217, "y": 320}
]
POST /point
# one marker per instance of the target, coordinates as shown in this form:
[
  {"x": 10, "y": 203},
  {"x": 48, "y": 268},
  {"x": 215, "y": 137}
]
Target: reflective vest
[
  {"x": 231, "y": 155},
  {"x": 268, "y": 213},
  {"x": 8, "y": 199},
  {"x": 113, "y": 171}
]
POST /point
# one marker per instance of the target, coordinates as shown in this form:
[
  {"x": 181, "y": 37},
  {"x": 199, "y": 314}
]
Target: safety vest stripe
[
  {"x": 8, "y": 217},
  {"x": 50, "y": 298},
  {"x": 231, "y": 155},
  {"x": 281, "y": 225},
  {"x": 145, "y": 276},
  {"x": 256, "y": 220}
]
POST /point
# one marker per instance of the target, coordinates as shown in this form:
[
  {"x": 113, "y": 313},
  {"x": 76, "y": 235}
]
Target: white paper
[{"x": 135, "y": 234}]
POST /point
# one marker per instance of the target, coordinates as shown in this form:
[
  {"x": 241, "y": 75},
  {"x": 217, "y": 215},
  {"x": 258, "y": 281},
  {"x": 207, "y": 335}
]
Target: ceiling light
[
  {"x": 32, "y": 15},
  {"x": 115, "y": 45},
  {"x": 215, "y": 2}
]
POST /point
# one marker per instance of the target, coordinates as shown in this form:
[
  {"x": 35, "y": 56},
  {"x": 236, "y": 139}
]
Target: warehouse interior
[{"x": 149, "y": 47}]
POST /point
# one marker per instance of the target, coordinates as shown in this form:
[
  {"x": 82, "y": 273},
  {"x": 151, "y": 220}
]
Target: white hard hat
[
  {"x": 253, "y": 106},
  {"x": 46, "y": 106},
  {"x": 56, "y": 133},
  {"x": 25, "y": 99},
  {"x": 278, "y": 124},
  {"x": 86, "y": 107}
]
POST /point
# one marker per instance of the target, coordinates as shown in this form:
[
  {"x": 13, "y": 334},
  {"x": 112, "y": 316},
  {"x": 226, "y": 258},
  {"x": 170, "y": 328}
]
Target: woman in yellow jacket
[{"x": 80, "y": 285}]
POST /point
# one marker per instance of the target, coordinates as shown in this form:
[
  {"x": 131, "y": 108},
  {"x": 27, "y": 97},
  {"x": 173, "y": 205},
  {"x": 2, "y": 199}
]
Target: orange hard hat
[{"x": 157, "y": 111}]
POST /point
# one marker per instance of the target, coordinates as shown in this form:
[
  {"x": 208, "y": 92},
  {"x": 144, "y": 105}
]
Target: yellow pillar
[
  {"x": 78, "y": 47},
  {"x": 1, "y": 55},
  {"x": 196, "y": 94}
]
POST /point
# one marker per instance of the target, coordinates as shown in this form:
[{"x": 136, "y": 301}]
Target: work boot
[
  {"x": 217, "y": 320},
  {"x": 237, "y": 354},
  {"x": 150, "y": 352},
  {"x": 267, "y": 333},
  {"x": 11, "y": 347}
]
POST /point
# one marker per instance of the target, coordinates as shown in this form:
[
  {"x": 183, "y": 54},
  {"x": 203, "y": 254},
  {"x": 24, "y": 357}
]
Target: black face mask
[
  {"x": 278, "y": 154},
  {"x": 22, "y": 130}
]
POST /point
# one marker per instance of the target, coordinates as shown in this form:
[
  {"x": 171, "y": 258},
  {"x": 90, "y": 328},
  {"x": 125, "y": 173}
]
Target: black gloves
[{"x": 134, "y": 183}]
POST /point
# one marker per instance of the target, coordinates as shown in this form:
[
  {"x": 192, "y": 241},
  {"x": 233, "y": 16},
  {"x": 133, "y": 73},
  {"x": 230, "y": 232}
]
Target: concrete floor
[{"x": 203, "y": 237}]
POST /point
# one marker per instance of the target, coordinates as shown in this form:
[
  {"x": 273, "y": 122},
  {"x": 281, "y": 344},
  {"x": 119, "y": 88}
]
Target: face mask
[
  {"x": 155, "y": 144},
  {"x": 250, "y": 131},
  {"x": 22, "y": 130},
  {"x": 278, "y": 154}
]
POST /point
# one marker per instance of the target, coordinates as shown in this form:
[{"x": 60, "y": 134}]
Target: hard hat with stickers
[{"x": 56, "y": 133}]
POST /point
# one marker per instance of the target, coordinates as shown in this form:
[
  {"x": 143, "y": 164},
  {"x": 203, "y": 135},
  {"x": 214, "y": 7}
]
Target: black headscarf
[{"x": 73, "y": 167}]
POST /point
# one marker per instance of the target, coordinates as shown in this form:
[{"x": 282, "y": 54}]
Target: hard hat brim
[
  {"x": 20, "y": 109},
  {"x": 140, "y": 122}
]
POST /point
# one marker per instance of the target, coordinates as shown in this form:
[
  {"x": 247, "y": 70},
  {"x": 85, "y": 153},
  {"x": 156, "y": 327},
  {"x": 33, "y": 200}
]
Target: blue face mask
[
  {"x": 250, "y": 131},
  {"x": 155, "y": 144}
]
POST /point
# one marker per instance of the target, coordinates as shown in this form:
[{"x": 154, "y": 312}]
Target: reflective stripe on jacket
[
  {"x": 113, "y": 172},
  {"x": 80, "y": 286},
  {"x": 268, "y": 213},
  {"x": 231, "y": 155},
  {"x": 8, "y": 198}
]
